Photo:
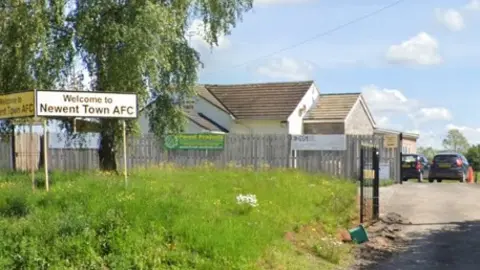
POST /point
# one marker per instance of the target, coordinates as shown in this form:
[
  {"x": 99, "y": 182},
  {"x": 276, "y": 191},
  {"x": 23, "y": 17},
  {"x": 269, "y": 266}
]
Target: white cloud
[
  {"x": 434, "y": 138},
  {"x": 394, "y": 110},
  {"x": 382, "y": 121},
  {"x": 276, "y": 2},
  {"x": 472, "y": 134},
  {"x": 197, "y": 36},
  {"x": 388, "y": 106},
  {"x": 430, "y": 139},
  {"x": 451, "y": 18},
  {"x": 473, "y": 5},
  {"x": 461, "y": 128},
  {"x": 287, "y": 68},
  {"x": 386, "y": 100},
  {"x": 432, "y": 114},
  {"x": 421, "y": 49}
]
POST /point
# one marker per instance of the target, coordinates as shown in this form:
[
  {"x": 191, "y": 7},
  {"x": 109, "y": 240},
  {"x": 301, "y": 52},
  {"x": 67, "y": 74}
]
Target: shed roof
[
  {"x": 396, "y": 132},
  {"x": 332, "y": 107}
]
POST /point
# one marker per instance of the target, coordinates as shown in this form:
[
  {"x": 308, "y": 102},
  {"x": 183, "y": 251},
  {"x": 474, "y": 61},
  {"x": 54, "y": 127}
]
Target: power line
[{"x": 319, "y": 35}]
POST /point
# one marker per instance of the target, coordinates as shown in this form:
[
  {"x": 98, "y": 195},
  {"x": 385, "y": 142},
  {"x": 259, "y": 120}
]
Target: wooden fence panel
[
  {"x": 272, "y": 150},
  {"x": 73, "y": 159},
  {"x": 27, "y": 151},
  {"x": 5, "y": 154}
]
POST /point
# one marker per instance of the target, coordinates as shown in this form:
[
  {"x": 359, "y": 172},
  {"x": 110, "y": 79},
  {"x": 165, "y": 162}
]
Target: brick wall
[
  {"x": 409, "y": 145},
  {"x": 358, "y": 123}
]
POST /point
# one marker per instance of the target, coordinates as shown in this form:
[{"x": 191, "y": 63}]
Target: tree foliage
[
  {"x": 140, "y": 47},
  {"x": 35, "y": 47},
  {"x": 136, "y": 46},
  {"x": 473, "y": 156},
  {"x": 428, "y": 152},
  {"x": 455, "y": 141}
]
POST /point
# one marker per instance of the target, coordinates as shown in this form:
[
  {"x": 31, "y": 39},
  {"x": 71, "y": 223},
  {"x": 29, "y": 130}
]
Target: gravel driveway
[{"x": 445, "y": 229}]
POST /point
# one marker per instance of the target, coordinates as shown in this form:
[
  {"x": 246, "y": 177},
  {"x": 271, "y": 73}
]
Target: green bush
[
  {"x": 15, "y": 206},
  {"x": 167, "y": 218}
]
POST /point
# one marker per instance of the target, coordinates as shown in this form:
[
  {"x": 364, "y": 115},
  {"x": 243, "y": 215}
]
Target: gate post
[
  {"x": 399, "y": 162},
  {"x": 362, "y": 165},
  {"x": 376, "y": 182}
]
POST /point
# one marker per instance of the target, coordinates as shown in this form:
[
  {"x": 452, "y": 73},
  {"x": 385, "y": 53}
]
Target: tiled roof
[
  {"x": 332, "y": 107},
  {"x": 263, "y": 101},
  {"x": 204, "y": 93}
]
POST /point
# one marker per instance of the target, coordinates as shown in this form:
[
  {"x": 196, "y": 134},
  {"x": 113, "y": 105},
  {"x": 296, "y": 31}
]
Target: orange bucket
[{"x": 470, "y": 177}]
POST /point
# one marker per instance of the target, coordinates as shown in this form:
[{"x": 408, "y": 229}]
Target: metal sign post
[
  {"x": 120, "y": 106},
  {"x": 45, "y": 154},
  {"x": 362, "y": 184},
  {"x": 125, "y": 152},
  {"x": 32, "y": 157},
  {"x": 370, "y": 183},
  {"x": 376, "y": 183},
  {"x": 400, "y": 159}
]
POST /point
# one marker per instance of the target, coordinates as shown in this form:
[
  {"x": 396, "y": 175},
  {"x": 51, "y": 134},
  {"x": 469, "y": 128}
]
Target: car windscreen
[
  {"x": 409, "y": 158},
  {"x": 445, "y": 158}
]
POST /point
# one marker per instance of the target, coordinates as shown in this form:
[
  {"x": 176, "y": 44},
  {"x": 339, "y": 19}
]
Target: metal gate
[{"x": 369, "y": 183}]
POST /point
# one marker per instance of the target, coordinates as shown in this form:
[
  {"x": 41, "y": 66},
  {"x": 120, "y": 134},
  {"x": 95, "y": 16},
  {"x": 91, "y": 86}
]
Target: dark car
[
  {"x": 448, "y": 166},
  {"x": 414, "y": 166}
]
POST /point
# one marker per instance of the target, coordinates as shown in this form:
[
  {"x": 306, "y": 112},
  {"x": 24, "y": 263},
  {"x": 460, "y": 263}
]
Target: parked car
[
  {"x": 448, "y": 166},
  {"x": 414, "y": 166}
]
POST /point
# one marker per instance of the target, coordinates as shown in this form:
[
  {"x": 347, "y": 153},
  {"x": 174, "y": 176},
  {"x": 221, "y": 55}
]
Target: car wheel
[
  {"x": 463, "y": 178},
  {"x": 405, "y": 179},
  {"x": 431, "y": 180},
  {"x": 420, "y": 178},
  {"x": 439, "y": 180}
]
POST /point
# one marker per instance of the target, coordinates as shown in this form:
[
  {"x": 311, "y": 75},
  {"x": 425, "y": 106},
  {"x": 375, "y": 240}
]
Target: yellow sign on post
[
  {"x": 390, "y": 141},
  {"x": 368, "y": 174},
  {"x": 17, "y": 105}
]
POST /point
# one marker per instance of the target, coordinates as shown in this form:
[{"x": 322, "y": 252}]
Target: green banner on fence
[{"x": 195, "y": 141}]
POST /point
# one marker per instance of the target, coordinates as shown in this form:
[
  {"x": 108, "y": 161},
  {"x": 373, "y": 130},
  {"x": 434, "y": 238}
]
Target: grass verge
[
  {"x": 171, "y": 218},
  {"x": 383, "y": 183},
  {"x": 386, "y": 183}
]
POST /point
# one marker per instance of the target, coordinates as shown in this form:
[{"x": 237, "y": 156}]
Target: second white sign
[{"x": 319, "y": 142}]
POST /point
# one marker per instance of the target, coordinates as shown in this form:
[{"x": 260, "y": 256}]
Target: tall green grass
[{"x": 167, "y": 218}]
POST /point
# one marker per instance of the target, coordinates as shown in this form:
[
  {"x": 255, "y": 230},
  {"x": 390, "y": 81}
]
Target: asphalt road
[{"x": 445, "y": 233}]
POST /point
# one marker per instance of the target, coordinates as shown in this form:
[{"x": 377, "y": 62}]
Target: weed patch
[{"x": 169, "y": 218}]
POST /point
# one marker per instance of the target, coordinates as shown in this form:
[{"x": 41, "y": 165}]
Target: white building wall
[
  {"x": 213, "y": 112},
  {"x": 295, "y": 120},
  {"x": 358, "y": 122},
  {"x": 200, "y": 105},
  {"x": 190, "y": 128},
  {"x": 259, "y": 127}
]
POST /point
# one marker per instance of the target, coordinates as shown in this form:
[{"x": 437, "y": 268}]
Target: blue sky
[{"x": 416, "y": 62}]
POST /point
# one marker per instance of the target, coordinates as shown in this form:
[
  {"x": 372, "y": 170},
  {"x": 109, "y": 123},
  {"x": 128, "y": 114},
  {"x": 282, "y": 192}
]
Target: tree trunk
[{"x": 106, "y": 151}]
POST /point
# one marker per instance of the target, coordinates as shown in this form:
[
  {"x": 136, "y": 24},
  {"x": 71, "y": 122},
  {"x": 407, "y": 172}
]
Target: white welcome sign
[{"x": 86, "y": 104}]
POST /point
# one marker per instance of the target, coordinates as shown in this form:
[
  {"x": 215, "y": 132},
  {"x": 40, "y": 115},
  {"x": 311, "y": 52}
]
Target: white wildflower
[
  {"x": 331, "y": 241},
  {"x": 249, "y": 199}
]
